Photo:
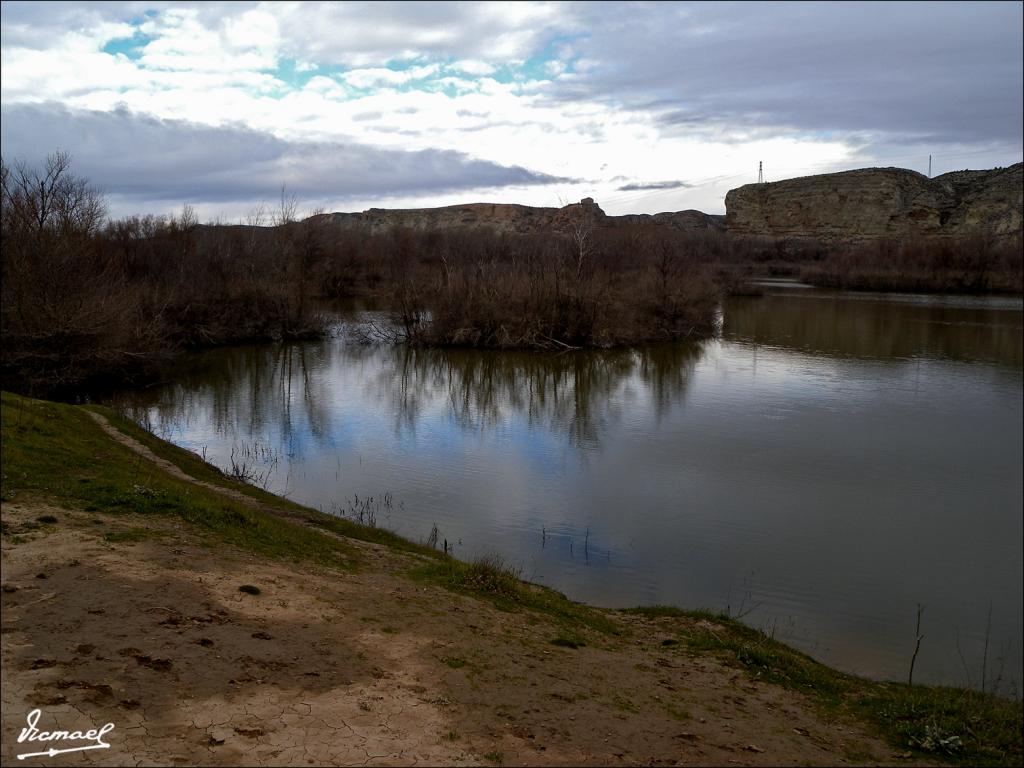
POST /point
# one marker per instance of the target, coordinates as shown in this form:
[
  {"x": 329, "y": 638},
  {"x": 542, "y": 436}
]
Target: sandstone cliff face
[
  {"x": 519, "y": 219},
  {"x": 851, "y": 206},
  {"x": 880, "y": 202}
]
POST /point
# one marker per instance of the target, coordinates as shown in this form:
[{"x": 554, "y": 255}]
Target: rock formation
[
  {"x": 866, "y": 204},
  {"x": 880, "y": 202},
  {"x": 521, "y": 219}
]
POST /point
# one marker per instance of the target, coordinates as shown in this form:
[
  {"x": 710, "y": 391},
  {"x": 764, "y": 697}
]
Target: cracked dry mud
[{"x": 331, "y": 668}]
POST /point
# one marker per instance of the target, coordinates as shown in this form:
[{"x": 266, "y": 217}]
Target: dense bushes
[
  {"x": 85, "y": 299},
  {"x": 590, "y": 288},
  {"x": 974, "y": 263}
]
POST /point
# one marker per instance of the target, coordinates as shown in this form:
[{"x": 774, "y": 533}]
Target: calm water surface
[{"x": 828, "y": 463}]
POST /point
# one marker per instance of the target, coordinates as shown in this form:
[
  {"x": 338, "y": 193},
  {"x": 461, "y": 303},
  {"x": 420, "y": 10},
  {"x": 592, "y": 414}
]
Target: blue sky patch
[
  {"x": 288, "y": 73},
  {"x": 130, "y": 47}
]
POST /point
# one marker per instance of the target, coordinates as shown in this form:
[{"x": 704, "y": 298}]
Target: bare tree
[
  {"x": 258, "y": 216},
  {"x": 49, "y": 202},
  {"x": 582, "y": 240},
  {"x": 62, "y": 291},
  {"x": 188, "y": 220},
  {"x": 287, "y": 209}
]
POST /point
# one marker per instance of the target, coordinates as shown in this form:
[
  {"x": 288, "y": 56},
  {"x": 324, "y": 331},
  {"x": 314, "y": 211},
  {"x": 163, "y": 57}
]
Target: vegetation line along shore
[
  {"x": 61, "y": 455},
  {"x": 91, "y": 301}
]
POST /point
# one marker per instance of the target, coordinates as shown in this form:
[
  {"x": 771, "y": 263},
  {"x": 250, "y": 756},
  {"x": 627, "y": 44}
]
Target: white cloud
[
  {"x": 472, "y": 67},
  {"x": 458, "y": 84},
  {"x": 554, "y": 67},
  {"x": 183, "y": 42},
  {"x": 326, "y": 87},
  {"x": 366, "y": 34},
  {"x": 382, "y": 77},
  {"x": 641, "y": 92},
  {"x": 252, "y": 30},
  {"x": 76, "y": 66}
]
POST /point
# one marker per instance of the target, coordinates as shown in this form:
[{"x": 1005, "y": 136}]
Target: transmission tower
[{"x": 760, "y": 172}]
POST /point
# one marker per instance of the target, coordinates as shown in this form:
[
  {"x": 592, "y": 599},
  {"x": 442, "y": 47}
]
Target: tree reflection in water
[{"x": 294, "y": 391}]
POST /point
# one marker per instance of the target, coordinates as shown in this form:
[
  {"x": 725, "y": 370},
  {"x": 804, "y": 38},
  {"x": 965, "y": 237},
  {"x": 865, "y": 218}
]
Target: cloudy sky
[{"x": 645, "y": 107}]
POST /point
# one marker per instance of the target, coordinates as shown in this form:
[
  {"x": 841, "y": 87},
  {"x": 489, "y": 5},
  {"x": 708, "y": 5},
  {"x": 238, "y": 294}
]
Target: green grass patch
[
  {"x": 49, "y": 448},
  {"x": 671, "y": 611},
  {"x": 192, "y": 464},
  {"x": 492, "y": 579},
  {"x": 352, "y": 530},
  {"x": 960, "y": 726}
]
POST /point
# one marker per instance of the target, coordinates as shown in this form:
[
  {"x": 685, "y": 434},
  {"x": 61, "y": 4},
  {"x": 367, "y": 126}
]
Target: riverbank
[{"x": 123, "y": 559}]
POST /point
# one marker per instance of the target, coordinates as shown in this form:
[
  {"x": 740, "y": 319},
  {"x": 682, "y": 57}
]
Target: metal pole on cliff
[
  {"x": 760, "y": 171},
  {"x": 929, "y": 166}
]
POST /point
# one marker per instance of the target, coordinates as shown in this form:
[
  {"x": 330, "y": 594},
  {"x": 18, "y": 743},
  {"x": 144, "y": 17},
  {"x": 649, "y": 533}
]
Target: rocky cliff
[
  {"x": 521, "y": 219},
  {"x": 880, "y": 202},
  {"x": 865, "y": 204}
]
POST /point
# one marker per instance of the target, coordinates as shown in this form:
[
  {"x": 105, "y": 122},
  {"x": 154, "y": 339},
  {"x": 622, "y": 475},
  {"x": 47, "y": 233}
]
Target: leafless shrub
[
  {"x": 247, "y": 460},
  {"x": 85, "y": 299},
  {"x": 588, "y": 288},
  {"x": 971, "y": 263},
  {"x": 366, "y": 510}
]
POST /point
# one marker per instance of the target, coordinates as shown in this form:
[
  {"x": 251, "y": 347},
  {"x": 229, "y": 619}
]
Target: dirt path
[
  {"x": 175, "y": 471},
  {"x": 140, "y": 622}
]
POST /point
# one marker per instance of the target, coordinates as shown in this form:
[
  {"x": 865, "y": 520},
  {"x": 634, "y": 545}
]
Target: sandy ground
[{"x": 329, "y": 668}]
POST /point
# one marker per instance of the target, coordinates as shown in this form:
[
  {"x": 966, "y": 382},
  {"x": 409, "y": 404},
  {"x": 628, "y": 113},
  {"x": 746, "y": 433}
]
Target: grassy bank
[
  {"x": 60, "y": 454},
  {"x": 963, "y": 726}
]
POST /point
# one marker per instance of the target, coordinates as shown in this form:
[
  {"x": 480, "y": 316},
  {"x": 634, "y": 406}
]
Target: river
[{"x": 825, "y": 465}]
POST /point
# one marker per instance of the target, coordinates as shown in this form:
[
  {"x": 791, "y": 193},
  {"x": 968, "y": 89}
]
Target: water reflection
[
  {"x": 829, "y": 463},
  {"x": 883, "y": 327},
  {"x": 247, "y": 389},
  {"x": 290, "y": 390}
]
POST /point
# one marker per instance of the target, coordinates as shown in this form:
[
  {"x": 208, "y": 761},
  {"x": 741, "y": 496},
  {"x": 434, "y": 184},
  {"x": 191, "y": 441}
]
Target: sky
[{"x": 645, "y": 107}]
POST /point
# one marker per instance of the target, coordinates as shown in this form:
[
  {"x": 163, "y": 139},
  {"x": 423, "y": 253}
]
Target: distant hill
[
  {"x": 521, "y": 219},
  {"x": 865, "y": 204},
  {"x": 874, "y": 203}
]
